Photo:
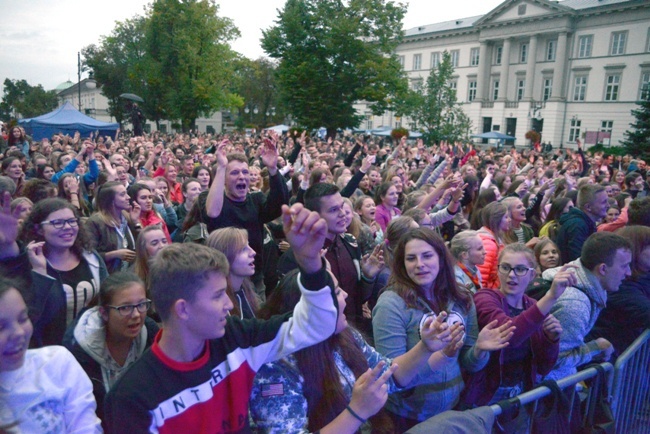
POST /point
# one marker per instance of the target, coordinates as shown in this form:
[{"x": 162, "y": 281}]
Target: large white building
[{"x": 561, "y": 68}]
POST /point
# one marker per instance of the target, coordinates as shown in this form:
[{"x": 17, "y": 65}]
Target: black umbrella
[{"x": 132, "y": 97}]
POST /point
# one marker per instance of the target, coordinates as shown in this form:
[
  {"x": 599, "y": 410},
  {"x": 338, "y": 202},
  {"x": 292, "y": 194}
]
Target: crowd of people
[{"x": 290, "y": 283}]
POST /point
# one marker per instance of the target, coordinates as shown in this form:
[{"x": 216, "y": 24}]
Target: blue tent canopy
[{"x": 67, "y": 120}]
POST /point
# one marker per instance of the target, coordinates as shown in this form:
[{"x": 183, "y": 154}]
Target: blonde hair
[{"x": 230, "y": 241}]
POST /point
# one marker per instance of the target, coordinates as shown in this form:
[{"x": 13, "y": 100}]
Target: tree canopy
[
  {"x": 637, "y": 138},
  {"x": 28, "y": 101},
  {"x": 333, "y": 53},
  {"x": 433, "y": 107},
  {"x": 177, "y": 58}
]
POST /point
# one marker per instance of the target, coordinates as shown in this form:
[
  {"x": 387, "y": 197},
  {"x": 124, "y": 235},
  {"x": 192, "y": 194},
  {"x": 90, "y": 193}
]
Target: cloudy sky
[{"x": 39, "y": 39}]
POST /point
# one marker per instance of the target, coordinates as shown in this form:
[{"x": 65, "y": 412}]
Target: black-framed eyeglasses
[
  {"x": 127, "y": 309},
  {"x": 60, "y": 223},
  {"x": 519, "y": 270}
]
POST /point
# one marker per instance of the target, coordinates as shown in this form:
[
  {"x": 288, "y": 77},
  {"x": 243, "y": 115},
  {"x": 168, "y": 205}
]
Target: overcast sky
[{"x": 39, "y": 39}]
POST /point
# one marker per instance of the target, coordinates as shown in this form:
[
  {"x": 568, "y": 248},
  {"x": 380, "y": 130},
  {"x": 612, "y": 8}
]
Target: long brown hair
[
  {"x": 444, "y": 292},
  {"x": 322, "y": 388},
  {"x": 230, "y": 241}
]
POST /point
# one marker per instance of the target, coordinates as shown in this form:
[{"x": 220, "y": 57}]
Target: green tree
[
  {"x": 188, "y": 53},
  {"x": 433, "y": 107},
  {"x": 333, "y": 53},
  {"x": 637, "y": 138},
  {"x": 255, "y": 83},
  {"x": 22, "y": 99},
  {"x": 118, "y": 64}
]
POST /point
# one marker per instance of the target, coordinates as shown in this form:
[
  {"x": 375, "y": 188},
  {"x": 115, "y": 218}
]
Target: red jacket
[{"x": 491, "y": 305}]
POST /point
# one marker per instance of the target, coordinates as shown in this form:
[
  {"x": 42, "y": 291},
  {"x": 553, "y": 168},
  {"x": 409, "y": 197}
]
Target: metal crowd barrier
[
  {"x": 631, "y": 387},
  {"x": 535, "y": 395}
]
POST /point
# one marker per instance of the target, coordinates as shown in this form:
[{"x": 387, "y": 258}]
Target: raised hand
[
  {"x": 135, "y": 212},
  {"x": 222, "y": 160},
  {"x": 435, "y": 333},
  {"x": 305, "y": 232},
  {"x": 563, "y": 279},
  {"x": 367, "y": 163},
  {"x": 493, "y": 338},
  {"x": 37, "y": 257},
  {"x": 552, "y": 327},
  {"x": 370, "y": 391},
  {"x": 372, "y": 263},
  {"x": 269, "y": 156}
]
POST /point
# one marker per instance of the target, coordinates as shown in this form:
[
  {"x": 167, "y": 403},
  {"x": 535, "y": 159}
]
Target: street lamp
[{"x": 255, "y": 110}]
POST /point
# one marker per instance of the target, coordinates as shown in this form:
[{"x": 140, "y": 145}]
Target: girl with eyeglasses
[
  {"x": 535, "y": 344},
  {"x": 65, "y": 273},
  {"x": 113, "y": 334}
]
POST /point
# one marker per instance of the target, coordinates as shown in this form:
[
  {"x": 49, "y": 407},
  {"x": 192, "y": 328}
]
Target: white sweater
[{"x": 50, "y": 393}]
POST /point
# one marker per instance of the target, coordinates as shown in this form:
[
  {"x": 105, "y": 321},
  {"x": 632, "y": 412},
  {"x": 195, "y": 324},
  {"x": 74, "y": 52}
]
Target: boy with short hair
[{"x": 198, "y": 375}]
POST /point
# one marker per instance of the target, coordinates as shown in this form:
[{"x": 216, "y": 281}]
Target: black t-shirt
[{"x": 79, "y": 287}]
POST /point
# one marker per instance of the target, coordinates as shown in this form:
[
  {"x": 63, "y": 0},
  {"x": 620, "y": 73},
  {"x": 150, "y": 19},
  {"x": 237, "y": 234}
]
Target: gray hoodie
[
  {"x": 577, "y": 310},
  {"x": 90, "y": 333}
]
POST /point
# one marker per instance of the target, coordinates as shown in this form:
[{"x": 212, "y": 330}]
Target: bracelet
[{"x": 356, "y": 416}]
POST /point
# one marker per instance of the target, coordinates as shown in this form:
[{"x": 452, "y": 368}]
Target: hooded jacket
[
  {"x": 575, "y": 228},
  {"x": 577, "y": 310},
  {"x": 86, "y": 340},
  {"x": 627, "y": 313}
]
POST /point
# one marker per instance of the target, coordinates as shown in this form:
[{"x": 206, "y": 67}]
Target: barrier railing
[
  {"x": 533, "y": 396},
  {"x": 631, "y": 387}
]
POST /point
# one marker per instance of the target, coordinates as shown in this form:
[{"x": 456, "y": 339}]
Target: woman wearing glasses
[
  {"x": 65, "y": 274},
  {"x": 535, "y": 345},
  {"x": 109, "y": 337}
]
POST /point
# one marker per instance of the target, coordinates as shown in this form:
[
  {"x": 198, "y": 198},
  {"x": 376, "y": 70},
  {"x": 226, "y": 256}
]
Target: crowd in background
[{"x": 479, "y": 272}]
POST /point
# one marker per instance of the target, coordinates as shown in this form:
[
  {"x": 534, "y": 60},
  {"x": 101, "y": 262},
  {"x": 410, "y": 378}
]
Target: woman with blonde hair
[
  {"x": 109, "y": 229},
  {"x": 151, "y": 240},
  {"x": 233, "y": 242}
]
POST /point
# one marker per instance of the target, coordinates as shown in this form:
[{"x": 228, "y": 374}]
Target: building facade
[
  {"x": 570, "y": 69},
  {"x": 88, "y": 98}
]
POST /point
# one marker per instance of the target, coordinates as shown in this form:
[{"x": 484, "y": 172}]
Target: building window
[
  {"x": 613, "y": 83},
  {"x": 606, "y": 126},
  {"x": 584, "y": 45},
  {"x": 435, "y": 60},
  {"x": 580, "y": 88},
  {"x": 453, "y": 84},
  {"x": 551, "y": 48},
  {"x": 521, "y": 9},
  {"x": 471, "y": 93},
  {"x": 618, "y": 43},
  {"x": 547, "y": 89},
  {"x": 369, "y": 125},
  {"x": 454, "y": 58},
  {"x": 574, "y": 130},
  {"x": 473, "y": 57},
  {"x": 416, "y": 84},
  {"x": 647, "y": 44},
  {"x": 644, "y": 90},
  {"x": 495, "y": 90},
  {"x": 417, "y": 62},
  {"x": 521, "y": 86},
  {"x": 400, "y": 60},
  {"x": 523, "y": 53},
  {"x": 498, "y": 54}
]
